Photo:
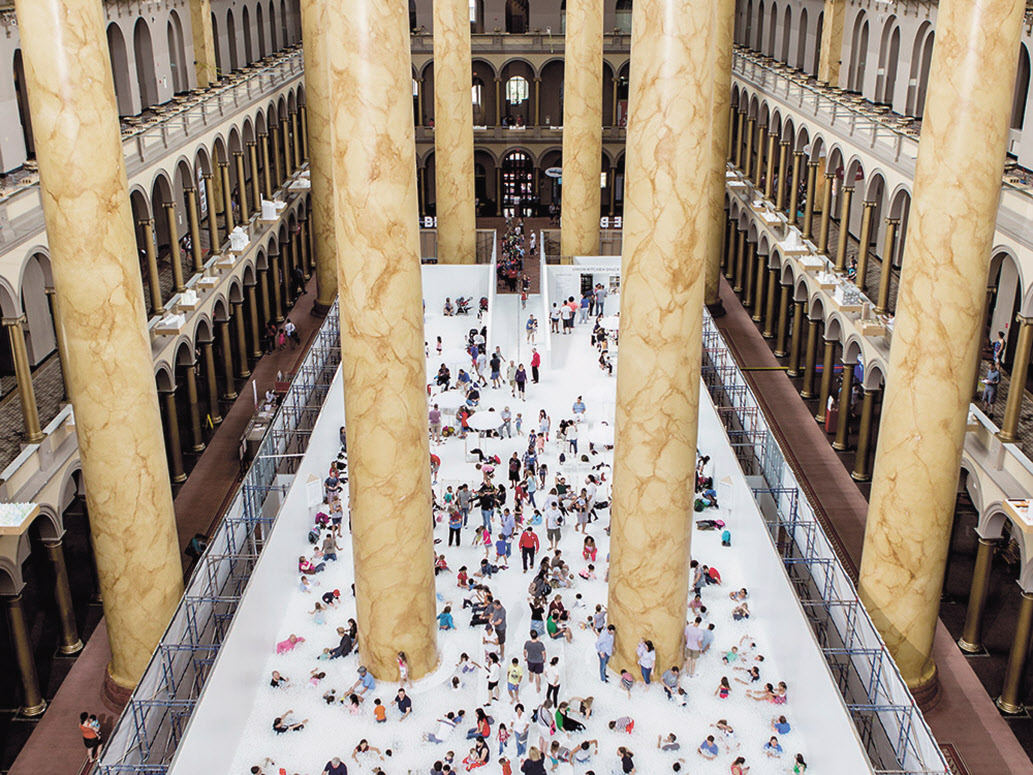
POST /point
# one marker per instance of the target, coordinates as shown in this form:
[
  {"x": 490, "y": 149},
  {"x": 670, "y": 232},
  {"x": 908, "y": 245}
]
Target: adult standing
[
  {"x": 534, "y": 656},
  {"x": 536, "y": 361},
  {"x": 528, "y": 546},
  {"x": 498, "y": 621},
  {"x": 604, "y": 648},
  {"x": 521, "y": 382},
  {"x": 553, "y": 519},
  {"x": 434, "y": 416},
  {"x": 600, "y": 299}
]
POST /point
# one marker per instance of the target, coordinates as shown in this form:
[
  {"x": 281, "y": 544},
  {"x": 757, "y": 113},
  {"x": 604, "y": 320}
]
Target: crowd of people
[
  {"x": 515, "y": 247},
  {"x": 511, "y": 694}
]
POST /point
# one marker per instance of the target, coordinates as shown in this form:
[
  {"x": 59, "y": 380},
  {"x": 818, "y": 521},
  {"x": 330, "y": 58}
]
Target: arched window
[
  {"x": 413, "y": 24},
  {"x": 623, "y": 16},
  {"x": 23, "y": 104},
  {"x": 145, "y": 76},
  {"x": 476, "y": 15},
  {"x": 517, "y": 16},
  {"x": 1018, "y": 110},
  {"x": 477, "y": 93},
  {"x": 260, "y": 28},
  {"x": 231, "y": 34},
  {"x": 249, "y": 55},
  {"x": 517, "y": 90},
  {"x": 120, "y": 69}
]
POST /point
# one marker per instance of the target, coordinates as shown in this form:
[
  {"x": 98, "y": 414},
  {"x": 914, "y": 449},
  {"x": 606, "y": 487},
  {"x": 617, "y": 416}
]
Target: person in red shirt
[
  {"x": 90, "y": 730},
  {"x": 435, "y": 464},
  {"x": 528, "y": 547},
  {"x": 536, "y": 361}
]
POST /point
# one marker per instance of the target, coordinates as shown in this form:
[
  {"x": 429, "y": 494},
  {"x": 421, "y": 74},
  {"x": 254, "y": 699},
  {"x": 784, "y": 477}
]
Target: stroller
[{"x": 463, "y": 306}]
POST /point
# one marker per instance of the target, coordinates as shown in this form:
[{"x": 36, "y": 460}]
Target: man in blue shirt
[
  {"x": 708, "y": 748},
  {"x": 579, "y": 407},
  {"x": 366, "y": 683}
]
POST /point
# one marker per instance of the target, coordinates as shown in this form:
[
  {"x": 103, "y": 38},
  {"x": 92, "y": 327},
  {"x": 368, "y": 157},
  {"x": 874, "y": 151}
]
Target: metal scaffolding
[
  {"x": 889, "y": 723},
  {"x": 151, "y": 727}
]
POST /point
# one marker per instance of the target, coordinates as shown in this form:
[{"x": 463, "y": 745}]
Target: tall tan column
[
  {"x": 1016, "y": 387},
  {"x": 748, "y": 152},
  {"x": 845, "y": 198},
  {"x": 810, "y": 356},
  {"x": 304, "y": 241},
  {"x": 889, "y": 246},
  {"x": 59, "y": 335},
  {"x": 720, "y": 149},
  {"x": 769, "y": 174},
  {"x": 204, "y": 42},
  {"x": 730, "y": 249},
  {"x": 780, "y": 195},
  {"x": 70, "y": 642},
  {"x": 808, "y": 208},
  {"x": 23, "y": 376},
  {"x": 263, "y": 288},
  {"x": 453, "y": 133},
  {"x": 288, "y": 148},
  {"x": 826, "y": 213},
  {"x": 317, "y": 98},
  {"x": 256, "y": 188},
  {"x": 173, "y": 443},
  {"x": 227, "y": 196},
  {"x": 760, "y": 274},
  {"x": 795, "y": 339},
  {"x": 303, "y": 113},
  {"x": 256, "y": 332},
  {"x": 238, "y": 159},
  {"x": 758, "y": 166},
  {"x": 196, "y": 432},
  {"x": 33, "y": 703},
  {"x": 274, "y": 279},
  {"x": 267, "y": 172},
  {"x": 794, "y": 191},
  {"x": 831, "y": 42},
  {"x": 97, "y": 276},
  {"x": 226, "y": 351},
  {"x": 243, "y": 371},
  {"x": 153, "y": 278},
  {"x": 783, "y": 315},
  {"x": 865, "y": 240},
  {"x": 971, "y": 640},
  {"x": 213, "y": 219},
  {"x": 663, "y": 275},
  {"x": 827, "y": 367},
  {"x": 277, "y": 168},
  {"x": 582, "y": 128},
  {"x": 1010, "y": 700},
  {"x": 846, "y": 386},
  {"x": 194, "y": 221},
  {"x": 296, "y": 138},
  {"x": 382, "y": 333},
  {"x": 174, "y": 253},
  {"x": 739, "y": 139},
  {"x": 936, "y": 331},
  {"x": 208, "y": 351},
  {"x": 862, "y": 472}
]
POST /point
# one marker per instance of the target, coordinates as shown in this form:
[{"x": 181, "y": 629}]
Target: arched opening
[
  {"x": 484, "y": 182},
  {"x": 218, "y": 49},
  {"x": 260, "y": 29},
  {"x": 40, "y": 339},
  {"x": 758, "y": 44},
  {"x": 177, "y": 54},
  {"x": 21, "y": 95},
  {"x": 623, "y": 15},
  {"x": 482, "y": 93},
  {"x": 818, "y": 32},
  {"x": 145, "y": 75},
  {"x": 517, "y": 183},
  {"x": 517, "y": 16},
  {"x": 231, "y": 34},
  {"x": 1018, "y": 109},
  {"x": 413, "y": 23},
  {"x": 285, "y": 37},
  {"x": 787, "y": 28},
  {"x": 747, "y": 31},
  {"x": 120, "y": 70},
  {"x": 801, "y": 43},
  {"x": 921, "y": 58},
  {"x": 889, "y": 52},
  {"x": 551, "y": 109},
  {"x": 249, "y": 55},
  {"x": 272, "y": 28},
  {"x": 858, "y": 53},
  {"x": 769, "y": 49},
  {"x": 516, "y": 94},
  {"x": 477, "y": 16}
]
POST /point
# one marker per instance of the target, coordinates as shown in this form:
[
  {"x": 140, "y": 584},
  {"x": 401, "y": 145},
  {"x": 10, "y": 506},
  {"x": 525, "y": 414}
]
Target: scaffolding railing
[
  {"x": 151, "y": 726},
  {"x": 889, "y": 723}
]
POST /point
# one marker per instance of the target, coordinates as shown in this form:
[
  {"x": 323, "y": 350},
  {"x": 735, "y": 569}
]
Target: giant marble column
[
  {"x": 204, "y": 42},
  {"x": 97, "y": 276},
  {"x": 936, "y": 330},
  {"x": 382, "y": 333},
  {"x": 666, "y": 227},
  {"x": 831, "y": 51},
  {"x": 317, "y": 90},
  {"x": 724, "y": 23},
  {"x": 453, "y": 133},
  {"x": 582, "y": 128}
]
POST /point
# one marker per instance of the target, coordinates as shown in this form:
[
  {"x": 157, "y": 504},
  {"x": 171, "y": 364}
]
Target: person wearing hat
[
  {"x": 366, "y": 683},
  {"x": 332, "y": 598}
]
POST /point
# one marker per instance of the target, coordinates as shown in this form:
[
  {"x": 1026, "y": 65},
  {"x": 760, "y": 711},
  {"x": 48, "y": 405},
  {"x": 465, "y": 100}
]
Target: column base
[
  {"x": 67, "y": 651},
  {"x": 33, "y": 438},
  {"x": 738, "y": 289},
  {"x": 231, "y": 396},
  {"x": 793, "y": 374},
  {"x": 201, "y": 447},
  {"x": 757, "y": 319},
  {"x": 927, "y": 692},
  {"x": 781, "y": 354},
  {"x": 320, "y": 308},
  {"x": 179, "y": 478},
  {"x": 840, "y": 447},
  {"x": 717, "y": 309},
  {"x": 819, "y": 418},
  {"x": 1007, "y": 438},
  {"x": 1008, "y": 709},
  {"x": 970, "y": 648},
  {"x": 34, "y": 710},
  {"x": 217, "y": 420},
  {"x": 277, "y": 318},
  {"x": 114, "y": 694},
  {"x": 245, "y": 374},
  {"x": 860, "y": 477},
  {"x": 806, "y": 396},
  {"x": 257, "y": 355}
]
